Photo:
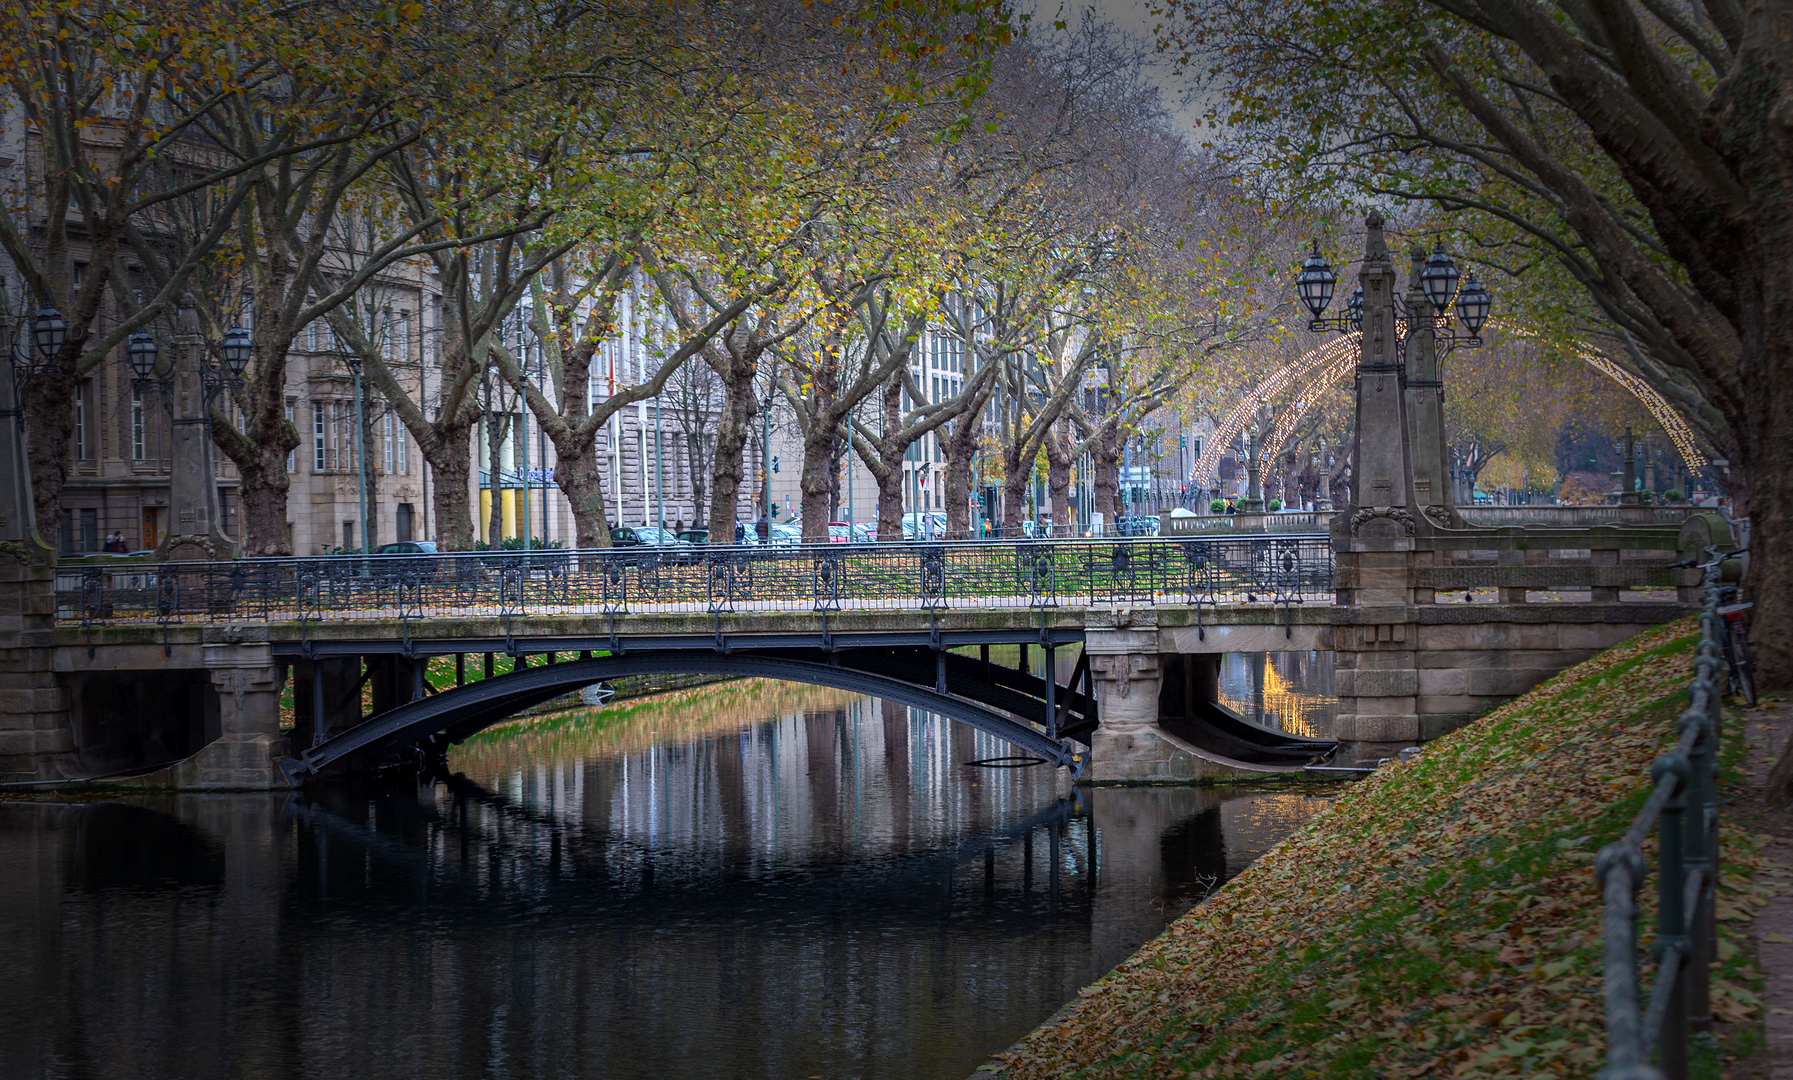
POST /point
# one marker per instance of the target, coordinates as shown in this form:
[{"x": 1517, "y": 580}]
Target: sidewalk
[{"x": 1766, "y": 731}]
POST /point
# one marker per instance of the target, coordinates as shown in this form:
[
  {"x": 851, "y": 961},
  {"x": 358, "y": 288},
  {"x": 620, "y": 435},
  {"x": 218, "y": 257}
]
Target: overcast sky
[{"x": 1133, "y": 18}]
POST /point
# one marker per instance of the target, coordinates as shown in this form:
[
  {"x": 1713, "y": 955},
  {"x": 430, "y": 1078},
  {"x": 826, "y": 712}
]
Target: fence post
[
  {"x": 1697, "y": 858},
  {"x": 1671, "y": 920}
]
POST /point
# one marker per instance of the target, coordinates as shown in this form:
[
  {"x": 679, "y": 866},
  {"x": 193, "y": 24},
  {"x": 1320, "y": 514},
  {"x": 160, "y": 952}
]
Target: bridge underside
[{"x": 1038, "y": 718}]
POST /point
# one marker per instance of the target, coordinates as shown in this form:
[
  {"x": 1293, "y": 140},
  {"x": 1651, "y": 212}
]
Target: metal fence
[
  {"x": 1683, "y": 807},
  {"x": 1024, "y": 574}
]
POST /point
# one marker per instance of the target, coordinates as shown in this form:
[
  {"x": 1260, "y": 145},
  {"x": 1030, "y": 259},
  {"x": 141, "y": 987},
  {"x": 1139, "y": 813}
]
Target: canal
[{"x": 745, "y": 880}]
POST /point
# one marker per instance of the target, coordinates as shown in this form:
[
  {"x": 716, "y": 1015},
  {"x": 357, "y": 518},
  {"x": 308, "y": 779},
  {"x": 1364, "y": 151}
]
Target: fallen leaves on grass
[{"x": 1440, "y": 919}]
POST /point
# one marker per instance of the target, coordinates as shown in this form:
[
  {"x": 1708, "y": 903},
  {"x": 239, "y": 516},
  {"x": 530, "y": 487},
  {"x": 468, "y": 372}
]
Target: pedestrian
[
  {"x": 740, "y": 532},
  {"x": 116, "y": 543},
  {"x": 678, "y": 526}
]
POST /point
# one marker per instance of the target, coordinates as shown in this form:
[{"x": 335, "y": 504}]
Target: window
[
  {"x": 317, "y": 436},
  {"x": 404, "y": 464},
  {"x": 311, "y": 335},
  {"x": 292, "y": 456},
  {"x": 78, "y": 276},
  {"x": 403, "y": 519},
  {"x": 386, "y": 335},
  {"x": 386, "y": 439},
  {"x": 402, "y": 337},
  {"x": 83, "y": 392},
  {"x": 139, "y": 447}
]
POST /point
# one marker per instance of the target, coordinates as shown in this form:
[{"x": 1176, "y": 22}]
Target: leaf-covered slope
[{"x": 1440, "y": 919}]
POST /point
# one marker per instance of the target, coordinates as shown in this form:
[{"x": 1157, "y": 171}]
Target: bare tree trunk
[
  {"x": 495, "y": 430},
  {"x": 889, "y": 472},
  {"x": 1058, "y": 479},
  {"x": 1105, "y": 461},
  {"x": 370, "y": 468},
  {"x": 739, "y": 407},
  {"x": 816, "y": 483},
  {"x": 451, "y": 462},
  {"x": 696, "y": 461},
  {"x": 580, "y": 472}
]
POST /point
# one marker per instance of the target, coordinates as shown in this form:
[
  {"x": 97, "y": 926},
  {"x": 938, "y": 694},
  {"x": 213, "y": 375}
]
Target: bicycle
[{"x": 1740, "y": 662}]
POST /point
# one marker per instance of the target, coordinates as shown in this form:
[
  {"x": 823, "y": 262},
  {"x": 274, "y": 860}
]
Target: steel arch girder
[{"x": 489, "y": 701}]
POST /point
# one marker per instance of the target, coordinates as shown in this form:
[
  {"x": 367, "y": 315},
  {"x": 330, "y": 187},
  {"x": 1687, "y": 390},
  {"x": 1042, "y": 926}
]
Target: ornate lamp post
[
  {"x": 191, "y": 387},
  {"x": 46, "y": 333},
  {"x": 1253, "y": 503},
  {"x": 1402, "y": 336}
]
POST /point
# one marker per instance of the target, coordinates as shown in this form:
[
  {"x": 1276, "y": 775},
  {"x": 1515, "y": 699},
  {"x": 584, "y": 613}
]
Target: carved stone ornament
[
  {"x": 1438, "y": 516},
  {"x": 1122, "y": 670},
  {"x": 201, "y": 541},
  {"x": 1395, "y": 514}
]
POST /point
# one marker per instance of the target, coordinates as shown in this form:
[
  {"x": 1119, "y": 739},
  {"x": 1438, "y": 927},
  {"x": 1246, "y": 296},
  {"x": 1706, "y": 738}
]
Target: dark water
[
  {"x": 754, "y": 880},
  {"x": 1289, "y": 691}
]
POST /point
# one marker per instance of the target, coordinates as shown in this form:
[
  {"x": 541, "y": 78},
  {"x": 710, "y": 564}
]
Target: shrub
[
  {"x": 1671, "y": 496},
  {"x": 1216, "y": 506},
  {"x": 1273, "y": 505}
]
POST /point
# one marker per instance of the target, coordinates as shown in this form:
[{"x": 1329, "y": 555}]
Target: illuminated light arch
[
  {"x": 1318, "y": 370},
  {"x": 1294, "y": 373},
  {"x": 1671, "y": 421}
]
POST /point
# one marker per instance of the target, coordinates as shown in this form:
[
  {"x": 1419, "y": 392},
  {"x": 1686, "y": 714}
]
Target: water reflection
[
  {"x": 753, "y": 880},
  {"x": 1289, "y": 691}
]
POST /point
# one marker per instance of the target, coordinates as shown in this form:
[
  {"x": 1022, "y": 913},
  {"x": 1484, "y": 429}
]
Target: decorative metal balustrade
[
  {"x": 928, "y": 576},
  {"x": 1683, "y": 809}
]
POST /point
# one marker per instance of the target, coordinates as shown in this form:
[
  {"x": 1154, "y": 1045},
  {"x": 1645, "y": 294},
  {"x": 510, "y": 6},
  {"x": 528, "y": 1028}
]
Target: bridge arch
[{"x": 991, "y": 699}]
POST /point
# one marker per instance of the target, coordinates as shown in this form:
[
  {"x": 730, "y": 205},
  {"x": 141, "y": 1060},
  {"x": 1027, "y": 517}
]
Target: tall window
[
  {"x": 404, "y": 463},
  {"x": 318, "y": 423},
  {"x": 386, "y": 440},
  {"x": 402, "y": 337},
  {"x": 83, "y": 393},
  {"x": 139, "y": 449},
  {"x": 292, "y": 456},
  {"x": 386, "y": 335},
  {"x": 311, "y": 335}
]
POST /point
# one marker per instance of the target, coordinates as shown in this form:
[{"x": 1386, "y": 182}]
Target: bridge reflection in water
[{"x": 749, "y": 880}]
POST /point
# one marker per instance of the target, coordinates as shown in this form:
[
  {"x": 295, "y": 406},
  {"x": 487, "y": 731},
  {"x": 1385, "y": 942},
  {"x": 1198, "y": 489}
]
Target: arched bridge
[
  {"x": 185, "y": 664},
  {"x": 1038, "y": 718}
]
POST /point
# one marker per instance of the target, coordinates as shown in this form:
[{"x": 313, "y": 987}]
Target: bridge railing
[
  {"x": 1026, "y": 574},
  {"x": 1683, "y": 808}
]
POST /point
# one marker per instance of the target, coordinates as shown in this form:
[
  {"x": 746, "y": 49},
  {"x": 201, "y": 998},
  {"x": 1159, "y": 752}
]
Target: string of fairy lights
[{"x": 1318, "y": 370}]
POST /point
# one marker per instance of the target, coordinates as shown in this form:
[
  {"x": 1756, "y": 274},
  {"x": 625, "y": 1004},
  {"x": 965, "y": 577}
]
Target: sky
[{"x": 1135, "y": 19}]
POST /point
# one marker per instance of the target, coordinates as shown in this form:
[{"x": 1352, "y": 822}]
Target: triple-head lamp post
[
  {"x": 1400, "y": 427},
  {"x": 1316, "y": 284}
]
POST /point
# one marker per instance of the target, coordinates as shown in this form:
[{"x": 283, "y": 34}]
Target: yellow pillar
[
  {"x": 510, "y": 513},
  {"x": 485, "y": 514}
]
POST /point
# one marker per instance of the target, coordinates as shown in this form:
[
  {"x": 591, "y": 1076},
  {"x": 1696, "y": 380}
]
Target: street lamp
[
  {"x": 49, "y": 330},
  {"x": 1316, "y": 283},
  {"x": 1439, "y": 282},
  {"x": 1439, "y": 279},
  {"x": 354, "y": 364},
  {"x": 1473, "y": 304},
  {"x": 141, "y": 351}
]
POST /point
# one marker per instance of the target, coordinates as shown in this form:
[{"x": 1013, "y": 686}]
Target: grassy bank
[{"x": 1441, "y": 919}]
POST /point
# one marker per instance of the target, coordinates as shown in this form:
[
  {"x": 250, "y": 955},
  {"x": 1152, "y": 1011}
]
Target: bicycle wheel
[{"x": 1743, "y": 665}]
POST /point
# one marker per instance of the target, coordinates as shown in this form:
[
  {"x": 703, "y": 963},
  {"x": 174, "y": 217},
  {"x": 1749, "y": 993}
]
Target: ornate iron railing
[
  {"x": 1683, "y": 807},
  {"x": 1024, "y": 574}
]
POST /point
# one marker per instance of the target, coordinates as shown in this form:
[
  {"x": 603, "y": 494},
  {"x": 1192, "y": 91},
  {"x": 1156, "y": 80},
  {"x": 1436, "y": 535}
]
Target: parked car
[
  {"x": 841, "y": 532},
  {"x": 695, "y": 537},
  {"x": 423, "y": 559}
]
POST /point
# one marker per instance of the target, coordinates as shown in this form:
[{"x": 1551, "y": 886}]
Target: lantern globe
[
  {"x": 141, "y": 351},
  {"x": 1354, "y": 307},
  {"x": 1473, "y": 304},
  {"x": 48, "y": 331},
  {"x": 1316, "y": 282},
  {"x": 1439, "y": 279},
  {"x": 237, "y": 349}
]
